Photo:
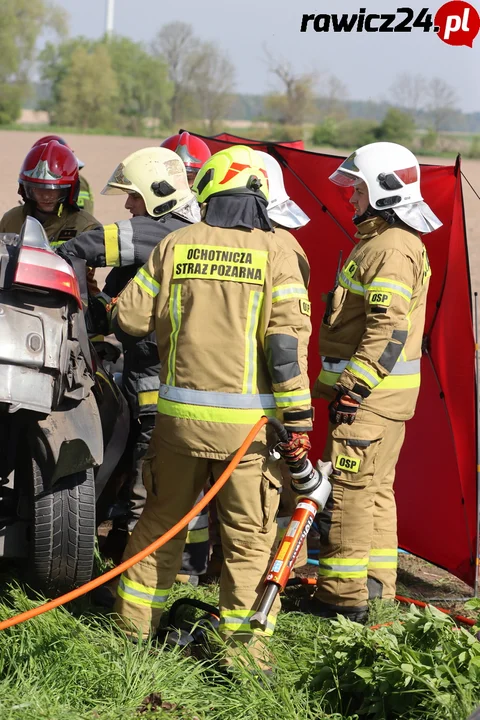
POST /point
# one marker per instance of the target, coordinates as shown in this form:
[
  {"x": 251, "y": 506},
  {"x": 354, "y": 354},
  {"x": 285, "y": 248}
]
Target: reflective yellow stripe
[
  {"x": 355, "y": 287},
  {"x": 238, "y": 621},
  {"x": 427, "y": 270},
  {"x": 391, "y": 382},
  {"x": 328, "y": 378},
  {"x": 112, "y": 250},
  {"x": 253, "y": 314},
  {"x": 287, "y": 292},
  {"x": 175, "y": 305},
  {"x": 147, "y": 282},
  {"x": 343, "y": 567},
  {"x": 293, "y": 397},
  {"x": 383, "y": 559},
  {"x": 388, "y": 285},
  {"x": 197, "y": 536},
  {"x": 343, "y": 573},
  {"x": 363, "y": 372},
  {"x": 139, "y": 594},
  {"x": 211, "y": 414},
  {"x": 147, "y": 397},
  {"x": 384, "y": 551}
]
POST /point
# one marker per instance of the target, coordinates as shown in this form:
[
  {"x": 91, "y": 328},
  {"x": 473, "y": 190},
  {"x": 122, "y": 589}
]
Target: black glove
[
  {"x": 344, "y": 408},
  {"x": 98, "y": 318}
]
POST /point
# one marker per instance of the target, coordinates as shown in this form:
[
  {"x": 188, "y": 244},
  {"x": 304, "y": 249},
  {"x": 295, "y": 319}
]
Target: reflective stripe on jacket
[
  {"x": 231, "y": 316},
  {"x": 123, "y": 245},
  {"x": 373, "y": 336},
  {"x": 85, "y": 196}
]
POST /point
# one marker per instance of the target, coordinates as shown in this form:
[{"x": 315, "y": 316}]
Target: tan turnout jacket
[
  {"x": 232, "y": 319},
  {"x": 373, "y": 337}
]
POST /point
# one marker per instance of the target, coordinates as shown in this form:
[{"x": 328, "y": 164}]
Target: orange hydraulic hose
[
  {"x": 408, "y": 601},
  {"x": 92, "y": 584},
  {"x": 420, "y": 603}
]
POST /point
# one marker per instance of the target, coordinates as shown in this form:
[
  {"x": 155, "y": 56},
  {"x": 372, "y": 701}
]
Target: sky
[{"x": 367, "y": 63}]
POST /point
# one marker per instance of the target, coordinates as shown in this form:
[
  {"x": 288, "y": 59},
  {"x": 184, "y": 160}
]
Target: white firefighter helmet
[
  {"x": 159, "y": 176},
  {"x": 281, "y": 209},
  {"x": 392, "y": 175}
]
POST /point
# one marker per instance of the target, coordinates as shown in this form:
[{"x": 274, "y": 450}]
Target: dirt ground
[{"x": 101, "y": 154}]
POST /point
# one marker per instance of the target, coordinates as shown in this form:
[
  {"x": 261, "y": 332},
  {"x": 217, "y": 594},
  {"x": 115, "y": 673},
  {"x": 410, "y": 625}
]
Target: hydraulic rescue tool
[{"x": 314, "y": 488}]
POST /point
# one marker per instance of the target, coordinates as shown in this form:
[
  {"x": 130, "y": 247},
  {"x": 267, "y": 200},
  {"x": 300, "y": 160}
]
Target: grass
[{"x": 73, "y": 664}]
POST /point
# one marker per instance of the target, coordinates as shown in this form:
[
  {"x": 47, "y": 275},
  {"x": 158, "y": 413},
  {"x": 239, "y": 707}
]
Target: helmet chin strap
[{"x": 387, "y": 215}]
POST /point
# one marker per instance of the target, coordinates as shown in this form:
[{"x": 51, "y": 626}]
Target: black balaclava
[{"x": 238, "y": 211}]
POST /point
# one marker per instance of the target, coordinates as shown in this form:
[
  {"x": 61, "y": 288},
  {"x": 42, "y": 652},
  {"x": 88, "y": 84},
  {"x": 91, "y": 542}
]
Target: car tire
[{"x": 62, "y": 539}]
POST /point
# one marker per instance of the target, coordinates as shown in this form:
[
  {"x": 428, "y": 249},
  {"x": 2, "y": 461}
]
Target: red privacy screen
[{"x": 436, "y": 475}]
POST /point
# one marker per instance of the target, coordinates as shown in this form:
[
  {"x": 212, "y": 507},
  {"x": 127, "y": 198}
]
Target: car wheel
[{"x": 63, "y": 528}]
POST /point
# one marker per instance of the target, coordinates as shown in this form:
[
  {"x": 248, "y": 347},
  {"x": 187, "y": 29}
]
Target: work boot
[
  {"x": 314, "y": 606},
  {"x": 104, "y": 596}
]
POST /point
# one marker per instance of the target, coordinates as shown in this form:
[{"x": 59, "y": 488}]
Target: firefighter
[
  {"x": 227, "y": 303},
  {"x": 85, "y": 199},
  {"x": 160, "y": 201},
  {"x": 49, "y": 185},
  {"x": 284, "y": 215},
  {"x": 371, "y": 346},
  {"x": 193, "y": 151}
]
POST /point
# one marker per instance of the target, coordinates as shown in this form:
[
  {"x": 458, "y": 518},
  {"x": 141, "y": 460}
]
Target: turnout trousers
[
  {"x": 246, "y": 505},
  {"x": 358, "y": 527}
]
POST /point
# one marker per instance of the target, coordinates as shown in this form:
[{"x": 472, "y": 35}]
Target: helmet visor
[
  {"x": 117, "y": 182},
  {"x": 46, "y": 196},
  {"x": 112, "y": 190},
  {"x": 288, "y": 214},
  {"x": 44, "y": 186},
  {"x": 347, "y": 174}
]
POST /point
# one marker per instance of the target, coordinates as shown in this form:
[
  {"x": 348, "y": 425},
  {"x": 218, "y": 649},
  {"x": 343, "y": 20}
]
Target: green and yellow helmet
[{"x": 237, "y": 170}]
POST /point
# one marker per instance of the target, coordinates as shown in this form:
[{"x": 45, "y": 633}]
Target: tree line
[{"x": 118, "y": 85}]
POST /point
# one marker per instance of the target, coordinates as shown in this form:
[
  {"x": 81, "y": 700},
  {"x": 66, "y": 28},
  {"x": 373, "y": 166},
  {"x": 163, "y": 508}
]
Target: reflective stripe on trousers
[
  {"x": 138, "y": 594},
  {"x": 238, "y": 621},
  {"x": 383, "y": 559},
  {"x": 343, "y": 567}
]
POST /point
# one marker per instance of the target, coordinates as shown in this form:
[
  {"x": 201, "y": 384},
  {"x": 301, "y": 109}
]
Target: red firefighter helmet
[
  {"x": 50, "y": 166},
  {"x": 47, "y": 138},
  {"x": 193, "y": 151}
]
